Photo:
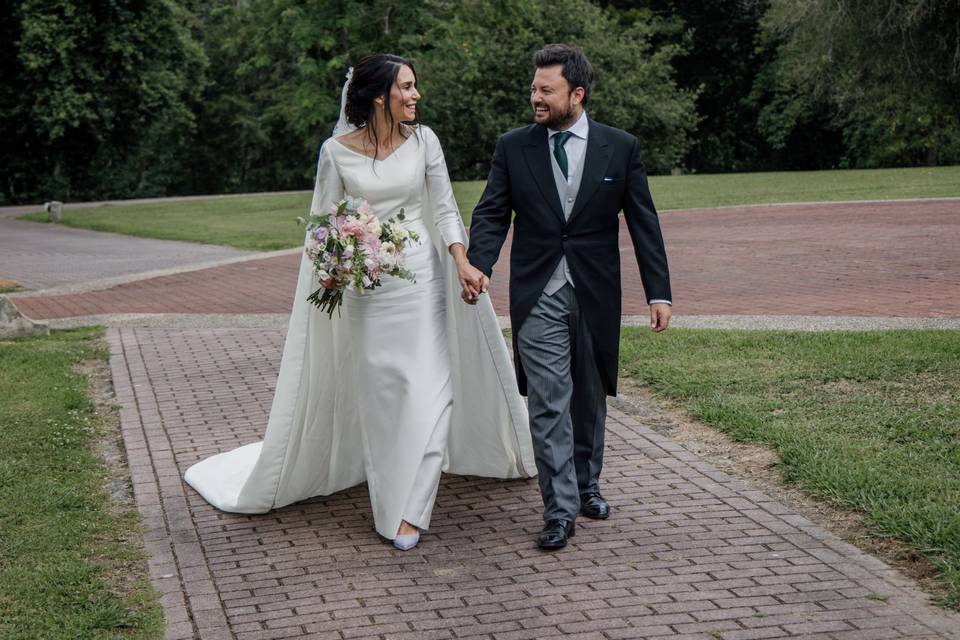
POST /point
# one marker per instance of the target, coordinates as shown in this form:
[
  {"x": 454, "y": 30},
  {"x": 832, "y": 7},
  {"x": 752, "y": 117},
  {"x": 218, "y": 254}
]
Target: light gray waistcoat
[{"x": 568, "y": 195}]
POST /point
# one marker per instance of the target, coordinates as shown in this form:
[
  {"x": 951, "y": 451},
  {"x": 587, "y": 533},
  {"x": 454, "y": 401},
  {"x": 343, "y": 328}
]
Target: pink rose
[
  {"x": 364, "y": 209},
  {"x": 313, "y": 247},
  {"x": 352, "y": 227},
  {"x": 371, "y": 245}
]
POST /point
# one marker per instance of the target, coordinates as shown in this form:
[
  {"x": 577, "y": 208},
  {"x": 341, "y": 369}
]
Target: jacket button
[{"x": 564, "y": 237}]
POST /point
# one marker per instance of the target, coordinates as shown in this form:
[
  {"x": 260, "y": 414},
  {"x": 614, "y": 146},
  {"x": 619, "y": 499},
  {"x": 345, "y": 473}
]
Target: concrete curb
[
  {"x": 800, "y": 323},
  {"x": 758, "y": 323},
  {"x": 176, "y": 321}
]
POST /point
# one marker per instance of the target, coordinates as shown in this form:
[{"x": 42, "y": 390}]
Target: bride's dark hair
[{"x": 374, "y": 77}]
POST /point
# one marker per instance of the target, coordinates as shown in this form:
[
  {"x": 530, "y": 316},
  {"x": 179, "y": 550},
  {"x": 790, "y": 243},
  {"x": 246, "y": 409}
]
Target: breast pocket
[{"x": 611, "y": 182}]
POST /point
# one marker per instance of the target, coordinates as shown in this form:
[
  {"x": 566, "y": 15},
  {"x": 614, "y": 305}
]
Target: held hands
[
  {"x": 659, "y": 316},
  {"x": 472, "y": 280}
]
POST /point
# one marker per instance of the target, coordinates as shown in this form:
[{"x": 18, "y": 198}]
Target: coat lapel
[
  {"x": 595, "y": 163},
  {"x": 537, "y": 154}
]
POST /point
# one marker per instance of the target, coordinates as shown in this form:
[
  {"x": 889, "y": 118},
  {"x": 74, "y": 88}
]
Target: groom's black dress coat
[{"x": 521, "y": 180}]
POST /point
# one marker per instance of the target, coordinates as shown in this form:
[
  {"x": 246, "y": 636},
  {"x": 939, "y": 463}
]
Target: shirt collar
[{"x": 579, "y": 128}]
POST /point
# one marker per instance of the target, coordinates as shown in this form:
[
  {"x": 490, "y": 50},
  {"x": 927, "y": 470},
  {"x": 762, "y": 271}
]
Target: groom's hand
[
  {"x": 472, "y": 296},
  {"x": 659, "y": 316},
  {"x": 472, "y": 281}
]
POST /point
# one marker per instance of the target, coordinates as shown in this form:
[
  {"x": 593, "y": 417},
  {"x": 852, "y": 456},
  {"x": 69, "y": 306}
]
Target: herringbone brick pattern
[{"x": 688, "y": 553}]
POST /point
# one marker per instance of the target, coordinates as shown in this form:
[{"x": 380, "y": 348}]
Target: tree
[
  {"x": 889, "y": 69},
  {"x": 97, "y": 99},
  {"x": 475, "y": 59},
  {"x": 278, "y": 68},
  {"x": 718, "y": 62},
  {"x": 799, "y": 128}
]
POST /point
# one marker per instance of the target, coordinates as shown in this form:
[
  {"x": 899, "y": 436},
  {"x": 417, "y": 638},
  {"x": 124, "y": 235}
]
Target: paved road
[
  {"x": 39, "y": 256},
  {"x": 688, "y": 553},
  {"x": 897, "y": 259}
]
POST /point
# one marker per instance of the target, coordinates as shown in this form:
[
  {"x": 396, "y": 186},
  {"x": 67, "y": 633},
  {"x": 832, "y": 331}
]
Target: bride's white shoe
[{"x": 406, "y": 542}]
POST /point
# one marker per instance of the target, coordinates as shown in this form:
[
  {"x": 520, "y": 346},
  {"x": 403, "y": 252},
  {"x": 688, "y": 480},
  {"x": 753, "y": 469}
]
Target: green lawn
[
  {"x": 262, "y": 223},
  {"x": 71, "y": 565},
  {"x": 267, "y": 222},
  {"x": 716, "y": 190},
  {"x": 869, "y": 421}
]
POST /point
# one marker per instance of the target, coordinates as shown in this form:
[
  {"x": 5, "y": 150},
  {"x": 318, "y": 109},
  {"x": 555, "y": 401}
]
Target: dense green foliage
[
  {"x": 889, "y": 71},
  {"x": 281, "y": 92},
  {"x": 719, "y": 62},
  {"x": 118, "y": 99},
  {"x": 275, "y": 73},
  {"x": 97, "y": 99},
  {"x": 869, "y": 421},
  {"x": 486, "y": 92},
  {"x": 71, "y": 565}
]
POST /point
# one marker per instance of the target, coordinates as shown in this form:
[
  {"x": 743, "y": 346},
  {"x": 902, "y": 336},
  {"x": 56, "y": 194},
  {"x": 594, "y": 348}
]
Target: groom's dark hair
[{"x": 577, "y": 70}]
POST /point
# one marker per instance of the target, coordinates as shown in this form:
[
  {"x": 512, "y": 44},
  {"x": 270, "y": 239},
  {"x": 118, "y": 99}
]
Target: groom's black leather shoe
[
  {"x": 555, "y": 534},
  {"x": 594, "y": 506}
]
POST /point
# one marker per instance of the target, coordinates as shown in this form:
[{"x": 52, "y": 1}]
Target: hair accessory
[{"x": 342, "y": 125}]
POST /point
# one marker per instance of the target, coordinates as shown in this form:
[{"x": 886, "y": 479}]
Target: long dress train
[{"x": 409, "y": 380}]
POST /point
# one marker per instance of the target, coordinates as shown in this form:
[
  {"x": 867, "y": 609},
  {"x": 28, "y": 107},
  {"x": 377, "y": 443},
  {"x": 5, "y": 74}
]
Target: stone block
[
  {"x": 54, "y": 210},
  {"x": 13, "y": 324}
]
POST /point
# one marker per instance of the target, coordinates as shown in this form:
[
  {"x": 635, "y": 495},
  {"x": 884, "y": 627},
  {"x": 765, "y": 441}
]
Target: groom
[{"x": 567, "y": 178}]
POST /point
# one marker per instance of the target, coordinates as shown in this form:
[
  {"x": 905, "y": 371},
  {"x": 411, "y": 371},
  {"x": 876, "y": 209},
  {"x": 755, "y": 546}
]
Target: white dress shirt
[{"x": 576, "y": 148}]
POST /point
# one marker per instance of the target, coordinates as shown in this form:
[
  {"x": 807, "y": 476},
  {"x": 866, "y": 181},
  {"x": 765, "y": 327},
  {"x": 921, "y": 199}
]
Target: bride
[{"x": 407, "y": 381}]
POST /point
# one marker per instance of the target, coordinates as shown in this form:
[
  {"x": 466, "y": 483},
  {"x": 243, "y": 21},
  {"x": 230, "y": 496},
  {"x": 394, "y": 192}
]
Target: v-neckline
[{"x": 385, "y": 158}]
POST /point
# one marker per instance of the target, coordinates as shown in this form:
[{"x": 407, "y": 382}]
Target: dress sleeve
[
  {"x": 446, "y": 213},
  {"x": 328, "y": 187}
]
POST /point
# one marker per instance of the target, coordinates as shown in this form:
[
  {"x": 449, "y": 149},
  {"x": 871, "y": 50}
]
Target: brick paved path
[
  {"x": 890, "y": 259},
  {"x": 254, "y": 286},
  {"x": 689, "y": 552}
]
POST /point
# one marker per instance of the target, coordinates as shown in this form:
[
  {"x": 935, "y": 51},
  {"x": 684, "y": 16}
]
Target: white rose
[
  {"x": 374, "y": 226},
  {"x": 388, "y": 255}
]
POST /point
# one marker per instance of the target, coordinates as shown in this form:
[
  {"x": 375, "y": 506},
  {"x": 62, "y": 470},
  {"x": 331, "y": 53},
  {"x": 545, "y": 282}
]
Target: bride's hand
[
  {"x": 470, "y": 298},
  {"x": 472, "y": 281}
]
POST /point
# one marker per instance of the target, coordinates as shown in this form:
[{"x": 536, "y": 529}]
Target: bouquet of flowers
[{"x": 351, "y": 249}]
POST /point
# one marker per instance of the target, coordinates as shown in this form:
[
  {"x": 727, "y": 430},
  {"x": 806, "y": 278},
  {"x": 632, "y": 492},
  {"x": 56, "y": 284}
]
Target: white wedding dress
[{"x": 406, "y": 381}]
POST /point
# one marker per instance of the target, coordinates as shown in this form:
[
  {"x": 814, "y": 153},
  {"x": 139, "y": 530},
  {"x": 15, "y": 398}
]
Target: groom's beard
[{"x": 559, "y": 120}]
